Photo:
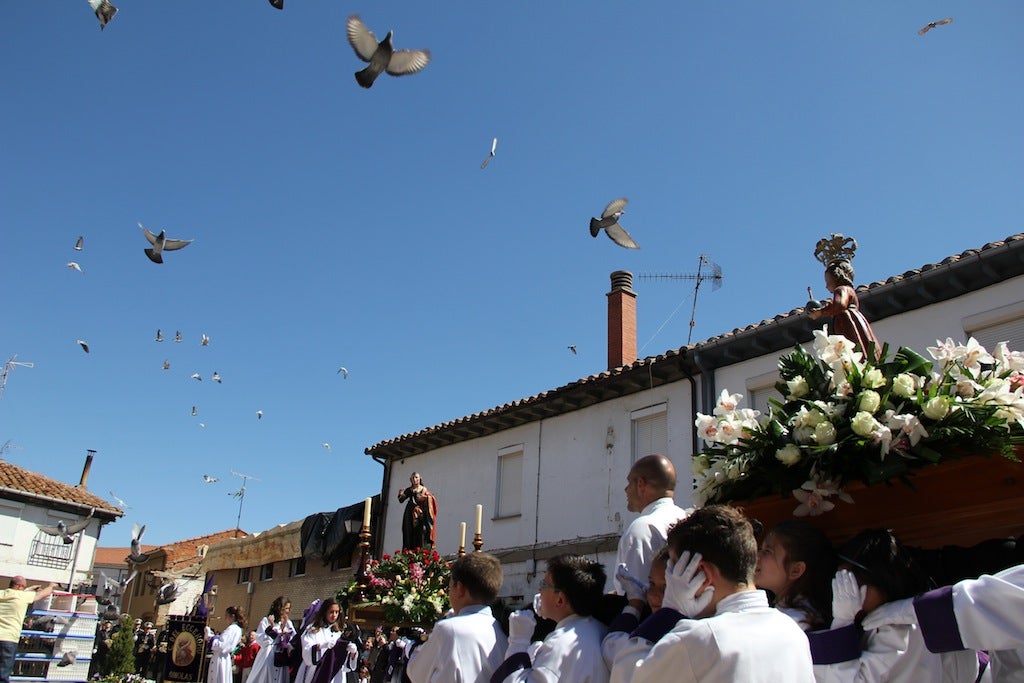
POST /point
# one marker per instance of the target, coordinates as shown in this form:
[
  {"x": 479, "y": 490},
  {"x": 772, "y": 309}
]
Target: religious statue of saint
[
  {"x": 420, "y": 516},
  {"x": 836, "y": 253}
]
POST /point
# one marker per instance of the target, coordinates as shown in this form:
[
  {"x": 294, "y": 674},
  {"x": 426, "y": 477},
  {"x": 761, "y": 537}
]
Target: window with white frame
[
  {"x": 649, "y": 431},
  {"x": 297, "y": 567},
  {"x": 1005, "y": 323},
  {"x": 759, "y": 390},
  {"x": 10, "y": 515},
  {"x": 267, "y": 572},
  {"x": 243, "y": 575},
  {"x": 509, "y": 496}
]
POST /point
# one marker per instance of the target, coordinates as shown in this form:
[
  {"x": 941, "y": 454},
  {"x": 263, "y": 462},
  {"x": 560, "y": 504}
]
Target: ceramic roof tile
[{"x": 19, "y": 479}]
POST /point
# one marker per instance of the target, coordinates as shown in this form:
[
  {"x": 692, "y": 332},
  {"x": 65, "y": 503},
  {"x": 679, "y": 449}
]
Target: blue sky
[{"x": 336, "y": 226}]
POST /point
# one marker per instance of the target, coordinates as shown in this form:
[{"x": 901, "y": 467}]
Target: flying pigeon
[
  {"x": 166, "y": 593},
  {"x": 194, "y": 411},
  {"x": 382, "y": 56},
  {"x": 74, "y": 266},
  {"x": 120, "y": 503},
  {"x": 177, "y": 337},
  {"x": 161, "y": 243},
  {"x": 216, "y": 377},
  {"x": 104, "y": 11},
  {"x": 67, "y": 532},
  {"x": 610, "y": 222},
  {"x": 68, "y": 658},
  {"x": 204, "y": 340},
  {"x": 196, "y": 376},
  {"x": 159, "y": 335},
  {"x": 79, "y": 242},
  {"x": 327, "y": 446},
  {"x": 277, "y": 4},
  {"x": 208, "y": 479},
  {"x": 572, "y": 347},
  {"x": 137, "y": 556},
  {"x": 259, "y": 414},
  {"x": 111, "y": 614},
  {"x": 933, "y": 24},
  {"x": 344, "y": 372},
  {"x": 167, "y": 364},
  {"x": 202, "y": 424},
  {"x": 494, "y": 146},
  {"x": 84, "y": 345},
  {"x": 47, "y": 623}
]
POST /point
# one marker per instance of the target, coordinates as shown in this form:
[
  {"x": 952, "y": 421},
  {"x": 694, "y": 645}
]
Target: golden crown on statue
[{"x": 835, "y": 247}]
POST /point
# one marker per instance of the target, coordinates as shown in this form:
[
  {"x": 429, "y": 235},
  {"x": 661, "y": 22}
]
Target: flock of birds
[{"x": 109, "y": 589}]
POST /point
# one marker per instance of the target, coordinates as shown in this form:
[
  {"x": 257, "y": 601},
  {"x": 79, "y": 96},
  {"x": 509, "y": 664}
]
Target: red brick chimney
[{"x": 621, "y": 320}]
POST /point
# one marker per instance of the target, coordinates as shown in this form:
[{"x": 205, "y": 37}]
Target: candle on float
[
  {"x": 366, "y": 513},
  {"x": 479, "y": 518},
  {"x": 462, "y": 534}
]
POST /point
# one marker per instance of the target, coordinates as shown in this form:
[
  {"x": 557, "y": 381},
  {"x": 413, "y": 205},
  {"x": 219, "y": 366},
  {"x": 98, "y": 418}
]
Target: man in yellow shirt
[{"x": 14, "y": 602}]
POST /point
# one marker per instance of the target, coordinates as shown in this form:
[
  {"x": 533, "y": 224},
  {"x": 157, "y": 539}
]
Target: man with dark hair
[
  {"x": 714, "y": 625},
  {"x": 650, "y": 487},
  {"x": 569, "y": 594},
  {"x": 470, "y": 645},
  {"x": 14, "y": 602}
]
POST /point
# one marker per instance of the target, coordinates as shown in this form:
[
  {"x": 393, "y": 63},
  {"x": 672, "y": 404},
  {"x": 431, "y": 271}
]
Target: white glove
[
  {"x": 634, "y": 587},
  {"x": 847, "y": 598},
  {"x": 896, "y": 612},
  {"x": 520, "y": 630},
  {"x": 449, "y": 613},
  {"x": 536, "y": 605},
  {"x": 683, "y": 580}
]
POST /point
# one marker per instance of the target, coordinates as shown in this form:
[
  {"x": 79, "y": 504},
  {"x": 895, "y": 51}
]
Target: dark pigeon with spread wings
[
  {"x": 609, "y": 222},
  {"x": 382, "y": 56}
]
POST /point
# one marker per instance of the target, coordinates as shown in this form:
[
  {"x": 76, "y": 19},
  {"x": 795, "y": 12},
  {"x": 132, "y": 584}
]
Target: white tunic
[
  {"x": 263, "y": 669},
  {"x": 989, "y": 610},
  {"x": 745, "y": 640},
  {"x": 222, "y": 648},
  {"x": 645, "y": 536},
  {"x": 572, "y": 652},
  {"x": 325, "y": 638},
  {"x": 466, "y": 648}
]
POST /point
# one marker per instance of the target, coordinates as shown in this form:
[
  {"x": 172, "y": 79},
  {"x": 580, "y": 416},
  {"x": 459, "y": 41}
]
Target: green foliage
[{"x": 121, "y": 655}]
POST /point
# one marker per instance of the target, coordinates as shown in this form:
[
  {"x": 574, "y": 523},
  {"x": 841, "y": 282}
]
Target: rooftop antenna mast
[
  {"x": 706, "y": 270},
  {"x": 8, "y": 366},
  {"x": 240, "y": 495}
]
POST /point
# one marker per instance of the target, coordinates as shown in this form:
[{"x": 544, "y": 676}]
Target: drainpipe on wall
[
  {"x": 536, "y": 502},
  {"x": 707, "y": 384},
  {"x": 693, "y": 409},
  {"x": 378, "y": 531}
]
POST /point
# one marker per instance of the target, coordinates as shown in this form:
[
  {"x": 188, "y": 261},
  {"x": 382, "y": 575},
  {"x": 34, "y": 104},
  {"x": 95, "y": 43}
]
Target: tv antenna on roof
[
  {"x": 8, "y": 366},
  {"x": 706, "y": 270},
  {"x": 240, "y": 495}
]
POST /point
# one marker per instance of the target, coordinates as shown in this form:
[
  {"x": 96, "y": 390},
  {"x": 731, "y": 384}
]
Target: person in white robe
[
  {"x": 319, "y": 636},
  {"x": 650, "y": 487},
  {"x": 569, "y": 593},
  {"x": 274, "y": 629},
  {"x": 973, "y": 614},
  {"x": 468, "y": 646},
  {"x": 714, "y": 625},
  {"x": 222, "y": 647}
]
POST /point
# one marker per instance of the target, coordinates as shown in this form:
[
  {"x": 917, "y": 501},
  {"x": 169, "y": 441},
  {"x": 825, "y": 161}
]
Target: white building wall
[{"x": 15, "y": 547}]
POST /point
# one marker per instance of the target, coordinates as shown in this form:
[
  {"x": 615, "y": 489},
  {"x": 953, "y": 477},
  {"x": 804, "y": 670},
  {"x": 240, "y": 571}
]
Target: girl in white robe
[
  {"x": 222, "y": 647},
  {"x": 319, "y": 637},
  {"x": 274, "y": 629}
]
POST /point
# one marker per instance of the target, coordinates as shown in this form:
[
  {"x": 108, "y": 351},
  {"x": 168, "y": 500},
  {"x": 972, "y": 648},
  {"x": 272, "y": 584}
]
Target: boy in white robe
[
  {"x": 470, "y": 645},
  {"x": 986, "y": 613},
  {"x": 569, "y": 593},
  {"x": 731, "y": 634}
]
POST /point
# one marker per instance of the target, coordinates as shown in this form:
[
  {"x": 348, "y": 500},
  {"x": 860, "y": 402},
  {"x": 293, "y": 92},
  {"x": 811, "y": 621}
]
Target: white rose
[
  {"x": 825, "y": 434},
  {"x": 788, "y": 455},
  {"x": 904, "y": 386},
  {"x": 863, "y": 424},
  {"x": 937, "y": 408},
  {"x": 797, "y": 387},
  {"x": 869, "y": 401},
  {"x": 873, "y": 379}
]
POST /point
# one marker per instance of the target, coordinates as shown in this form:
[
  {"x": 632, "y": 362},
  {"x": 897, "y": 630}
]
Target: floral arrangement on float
[
  {"x": 411, "y": 586},
  {"x": 848, "y": 418}
]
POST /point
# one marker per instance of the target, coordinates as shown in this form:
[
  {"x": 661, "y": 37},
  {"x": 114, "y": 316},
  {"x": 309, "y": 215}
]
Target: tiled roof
[
  {"x": 184, "y": 553},
  {"x": 18, "y": 479},
  {"x": 115, "y": 556},
  {"x": 953, "y": 276}
]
